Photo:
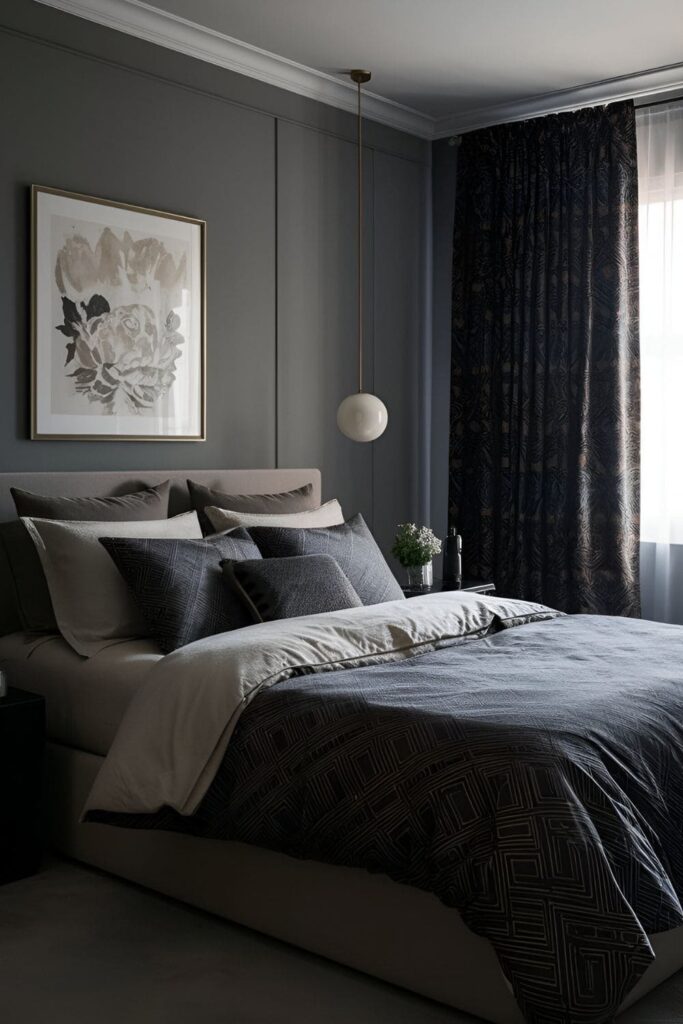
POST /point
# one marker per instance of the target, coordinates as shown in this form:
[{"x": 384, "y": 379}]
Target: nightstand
[
  {"x": 22, "y": 737},
  {"x": 438, "y": 587}
]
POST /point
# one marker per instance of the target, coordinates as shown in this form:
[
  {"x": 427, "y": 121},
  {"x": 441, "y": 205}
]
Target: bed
[{"x": 391, "y": 930}]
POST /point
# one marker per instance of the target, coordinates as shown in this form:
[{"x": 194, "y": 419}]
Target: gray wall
[
  {"x": 91, "y": 110},
  {"x": 444, "y": 168}
]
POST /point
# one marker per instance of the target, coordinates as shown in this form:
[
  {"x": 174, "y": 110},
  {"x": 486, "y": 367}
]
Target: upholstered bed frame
[{"x": 364, "y": 921}]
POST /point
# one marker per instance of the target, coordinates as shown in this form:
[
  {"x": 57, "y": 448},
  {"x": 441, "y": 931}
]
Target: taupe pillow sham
[
  {"x": 329, "y": 514},
  {"x": 148, "y": 503},
  {"x": 92, "y": 604},
  {"x": 31, "y": 595},
  {"x": 298, "y": 500}
]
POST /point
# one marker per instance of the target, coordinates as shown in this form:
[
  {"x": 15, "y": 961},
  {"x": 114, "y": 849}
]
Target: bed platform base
[{"x": 364, "y": 921}]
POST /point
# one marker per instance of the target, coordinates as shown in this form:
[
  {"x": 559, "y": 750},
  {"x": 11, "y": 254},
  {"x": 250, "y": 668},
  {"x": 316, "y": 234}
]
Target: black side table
[
  {"x": 440, "y": 586},
  {"x": 22, "y": 738}
]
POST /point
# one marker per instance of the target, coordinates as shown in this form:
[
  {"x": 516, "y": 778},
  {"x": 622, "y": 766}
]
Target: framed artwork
[{"x": 118, "y": 321}]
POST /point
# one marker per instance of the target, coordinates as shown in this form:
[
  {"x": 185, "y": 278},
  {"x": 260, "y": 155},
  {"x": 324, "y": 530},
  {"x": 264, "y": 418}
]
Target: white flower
[{"x": 415, "y": 545}]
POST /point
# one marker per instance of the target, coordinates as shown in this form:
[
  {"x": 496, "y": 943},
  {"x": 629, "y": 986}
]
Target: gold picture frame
[{"x": 138, "y": 296}]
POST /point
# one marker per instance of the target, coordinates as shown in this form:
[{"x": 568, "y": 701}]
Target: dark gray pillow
[
  {"x": 31, "y": 594},
  {"x": 149, "y": 503},
  {"x": 282, "y": 588},
  {"x": 201, "y": 497},
  {"x": 178, "y": 584},
  {"x": 351, "y": 545}
]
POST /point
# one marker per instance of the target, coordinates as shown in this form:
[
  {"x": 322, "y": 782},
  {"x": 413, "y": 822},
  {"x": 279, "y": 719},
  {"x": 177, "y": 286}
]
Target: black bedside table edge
[
  {"x": 22, "y": 738},
  {"x": 442, "y": 587}
]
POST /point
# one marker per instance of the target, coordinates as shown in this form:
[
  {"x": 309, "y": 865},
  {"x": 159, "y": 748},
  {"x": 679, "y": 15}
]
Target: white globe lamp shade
[{"x": 362, "y": 417}]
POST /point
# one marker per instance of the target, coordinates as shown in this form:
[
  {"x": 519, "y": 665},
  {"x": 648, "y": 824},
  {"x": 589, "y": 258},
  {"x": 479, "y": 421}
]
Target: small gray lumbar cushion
[
  {"x": 298, "y": 500},
  {"x": 178, "y": 584},
  {"x": 91, "y": 601},
  {"x": 282, "y": 588},
  {"x": 327, "y": 515},
  {"x": 351, "y": 545}
]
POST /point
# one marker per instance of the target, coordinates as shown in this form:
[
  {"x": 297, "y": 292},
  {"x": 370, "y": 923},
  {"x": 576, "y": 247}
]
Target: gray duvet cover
[{"x": 531, "y": 778}]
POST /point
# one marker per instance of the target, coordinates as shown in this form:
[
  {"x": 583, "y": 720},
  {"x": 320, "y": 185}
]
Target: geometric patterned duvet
[{"x": 532, "y": 779}]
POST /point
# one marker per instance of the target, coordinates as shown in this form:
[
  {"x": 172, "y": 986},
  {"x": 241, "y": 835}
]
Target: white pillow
[
  {"x": 92, "y": 604},
  {"x": 329, "y": 514}
]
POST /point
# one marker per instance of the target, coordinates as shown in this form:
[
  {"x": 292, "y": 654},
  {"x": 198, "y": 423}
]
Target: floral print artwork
[
  {"x": 120, "y": 330},
  {"x": 118, "y": 347}
]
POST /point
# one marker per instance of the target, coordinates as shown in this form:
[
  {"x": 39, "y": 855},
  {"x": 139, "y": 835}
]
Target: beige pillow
[
  {"x": 329, "y": 514},
  {"x": 92, "y": 604}
]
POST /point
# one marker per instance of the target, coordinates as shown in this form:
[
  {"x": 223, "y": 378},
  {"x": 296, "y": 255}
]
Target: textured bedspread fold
[{"x": 176, "y": 731}]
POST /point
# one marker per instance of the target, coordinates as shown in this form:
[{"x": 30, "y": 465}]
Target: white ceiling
[
  {"x": 448, "y": 60},
  {"x": 442, "y": 57}
]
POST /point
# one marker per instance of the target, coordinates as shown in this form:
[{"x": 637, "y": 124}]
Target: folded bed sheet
[{"x": 86, "y": 698}]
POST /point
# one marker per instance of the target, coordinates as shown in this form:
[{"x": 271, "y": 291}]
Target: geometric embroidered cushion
[
  {"x": 282, "y": 588},
  {"x": 178, "y": 585},
  {"x": 352, "y": 546}
]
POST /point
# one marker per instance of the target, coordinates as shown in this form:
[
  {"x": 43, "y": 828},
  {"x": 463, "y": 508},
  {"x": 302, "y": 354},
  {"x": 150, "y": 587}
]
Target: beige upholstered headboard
[{"x": 102, "y": 485}]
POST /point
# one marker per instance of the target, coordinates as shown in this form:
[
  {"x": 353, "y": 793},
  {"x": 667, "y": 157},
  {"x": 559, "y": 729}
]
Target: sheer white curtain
[{"x": 660, "y": 177}]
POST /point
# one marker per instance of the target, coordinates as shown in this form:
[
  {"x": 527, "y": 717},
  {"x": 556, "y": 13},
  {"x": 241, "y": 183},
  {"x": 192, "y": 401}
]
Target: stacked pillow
[
  {"x": 201, "y": 497},
  {"x": 32, "y": 597},
  {"x": 91, "y": 601},
  {"x": 329, "y": 514},
  {"x": 282, "y": 588},
  {"x": 350, "y": 544},
  {"x": 117, "y": 568},
  {"x": 149, "y": 503},
  {"x": 178, "y": 585}
]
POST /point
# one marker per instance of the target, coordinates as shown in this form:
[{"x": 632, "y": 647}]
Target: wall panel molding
[
  {"x": 164, "y": 29},
  {"x": 53, "y": 27},
  {"x": 274, "y": 176}
]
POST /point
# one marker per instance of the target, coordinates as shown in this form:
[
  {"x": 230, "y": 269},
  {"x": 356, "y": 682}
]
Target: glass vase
[{"x": 420, "y": 577}]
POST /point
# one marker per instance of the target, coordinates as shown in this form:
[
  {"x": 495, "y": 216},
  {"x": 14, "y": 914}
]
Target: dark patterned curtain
[{"x": 545, "y": 417}]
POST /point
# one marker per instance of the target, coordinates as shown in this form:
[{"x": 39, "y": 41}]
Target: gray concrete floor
[{"x": 78, "y": 946}]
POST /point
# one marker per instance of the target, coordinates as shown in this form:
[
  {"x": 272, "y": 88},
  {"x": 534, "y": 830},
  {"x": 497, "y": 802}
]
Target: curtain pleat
[{"x": 544, "y": 447}]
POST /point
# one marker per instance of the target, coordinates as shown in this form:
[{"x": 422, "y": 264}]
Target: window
[{"x": 660, "y": 175}]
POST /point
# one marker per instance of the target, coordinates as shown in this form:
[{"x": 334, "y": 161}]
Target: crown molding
[
  {"x": 164, "y": 29},
  {"x": 657, "y": 82}
]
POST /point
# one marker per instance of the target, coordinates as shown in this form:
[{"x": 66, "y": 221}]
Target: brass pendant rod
[
  {"x": 360, "y": 243},
  {"x": 360, "y": 77}
]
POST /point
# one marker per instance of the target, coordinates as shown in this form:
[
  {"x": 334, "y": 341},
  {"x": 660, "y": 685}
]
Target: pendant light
[{"x": 361, "y": 416}]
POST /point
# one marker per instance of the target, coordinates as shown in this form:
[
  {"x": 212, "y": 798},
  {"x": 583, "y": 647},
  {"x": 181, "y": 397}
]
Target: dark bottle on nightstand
[{"x": 452, "y": 558}]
